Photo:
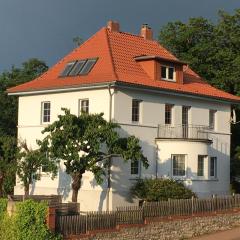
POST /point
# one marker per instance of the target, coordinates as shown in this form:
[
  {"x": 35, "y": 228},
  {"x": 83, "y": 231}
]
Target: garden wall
[{"x": 171, "y": 229}]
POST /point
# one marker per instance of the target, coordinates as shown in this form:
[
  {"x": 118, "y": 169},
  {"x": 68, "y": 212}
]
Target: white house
[{"x": 183, "y": 122}]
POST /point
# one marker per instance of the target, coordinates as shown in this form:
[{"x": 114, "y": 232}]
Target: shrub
[
  {"x": 30, "y": 221},
  {"x": 3, "y": 206},
  {"x": 160, "y": 189},
  {"x": 27, "y": 223}
]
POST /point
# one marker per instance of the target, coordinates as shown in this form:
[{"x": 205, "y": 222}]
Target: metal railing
[{"x": 183, "y": 132}]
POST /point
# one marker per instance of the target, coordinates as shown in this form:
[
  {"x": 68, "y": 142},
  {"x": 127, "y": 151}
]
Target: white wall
[
  {"x": 92, "y": 196},
  {"x": 30, "y": 127},
  {"x": 152, "y": 113}
]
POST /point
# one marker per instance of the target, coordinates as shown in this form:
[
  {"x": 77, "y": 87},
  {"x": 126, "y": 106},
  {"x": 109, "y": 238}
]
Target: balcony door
[{"x": 185, "y": 121}]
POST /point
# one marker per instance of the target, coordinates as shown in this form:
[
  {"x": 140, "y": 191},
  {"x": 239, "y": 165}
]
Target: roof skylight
[
  {"x": 77, "y": 68},
  {"x": 88, "y": 66},
  {"x": 80, "y": 67},
  {"x": 67, "y": 69}
]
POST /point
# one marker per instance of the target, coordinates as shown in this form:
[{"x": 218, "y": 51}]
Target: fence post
[
  {"x": 192, "y": 206},
  {"x": 86, "y": 219},
  {"x": 51, "y": 219},
  {"x": 213, "y": 203},
  {"x": 169, "y": 213}
]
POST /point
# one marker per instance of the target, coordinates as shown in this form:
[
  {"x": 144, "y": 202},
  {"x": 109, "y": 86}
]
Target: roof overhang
[
  {"x": 158, "y": 58},
  {"x": 71, "y": 88},
  {"x": 125, "y": 85},
  {"x": 174, "y": 92}
]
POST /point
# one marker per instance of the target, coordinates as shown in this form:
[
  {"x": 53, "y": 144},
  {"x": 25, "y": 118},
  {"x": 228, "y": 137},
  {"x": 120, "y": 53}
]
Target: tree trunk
[
  {"x": 76, "y": 184},
  {"x": 26, "y": 190},
  {"x": 1, "y": 185}
]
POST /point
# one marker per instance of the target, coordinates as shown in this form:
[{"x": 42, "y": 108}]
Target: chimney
[
  {"x": 146, "y": 32},
  {"x": 113, "y": 26}
]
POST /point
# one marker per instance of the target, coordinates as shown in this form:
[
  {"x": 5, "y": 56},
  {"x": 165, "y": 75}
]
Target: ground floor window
[
  {"x": 213, "y": 167},
  {"x": 178, "y": 165},
  {"x": 134, "y": 167},
  {"x": 200, "y": 169}
]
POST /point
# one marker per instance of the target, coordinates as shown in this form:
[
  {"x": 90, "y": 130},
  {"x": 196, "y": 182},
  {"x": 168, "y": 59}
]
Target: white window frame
[
  {"x": 171, "y": 106},
  {"x": 185, "y": 165},
  {"x": 212, "y": 114},
  {"x": 42, "y": 112},
  {"x": 167, "y": 73},
  {"x": 204, "y": 164},
  {"x": 80, "y": 105},
  {"x": 138, "y": 168},
  {"x": 139, "y": 110},
  {"x": 215, "y": 167}
]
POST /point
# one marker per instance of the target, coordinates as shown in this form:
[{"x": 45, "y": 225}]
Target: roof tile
[{"x": 116, "y": 52}]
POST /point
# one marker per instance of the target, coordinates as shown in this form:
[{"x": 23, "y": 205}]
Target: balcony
[{"x": 188, "y": 132}]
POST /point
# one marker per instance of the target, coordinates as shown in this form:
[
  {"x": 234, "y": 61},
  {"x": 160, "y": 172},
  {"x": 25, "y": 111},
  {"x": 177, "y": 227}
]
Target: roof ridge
[{"x": 111, "y": 55}]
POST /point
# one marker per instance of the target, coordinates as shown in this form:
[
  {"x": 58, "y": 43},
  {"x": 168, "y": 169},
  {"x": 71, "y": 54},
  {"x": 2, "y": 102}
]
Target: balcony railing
[{"x": 183, "y": 132}]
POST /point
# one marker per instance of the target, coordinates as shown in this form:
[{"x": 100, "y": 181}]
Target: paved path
[{"x": 233, "y": 234}]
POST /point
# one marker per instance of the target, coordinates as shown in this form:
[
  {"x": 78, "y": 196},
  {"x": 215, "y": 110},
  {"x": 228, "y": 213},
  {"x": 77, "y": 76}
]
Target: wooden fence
[
  {"x": 52, "y": 200},
  {"x": 75, "y": 224}
]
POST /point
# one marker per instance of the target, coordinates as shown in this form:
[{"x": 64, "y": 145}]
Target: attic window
[
  {"x": 80, "y": 67},
  {"x": 168, "y": 73},
  {"x": 67, "y": 69},
  {"x": 88, "y": 66},
  {"x": 77, "y": 68}
]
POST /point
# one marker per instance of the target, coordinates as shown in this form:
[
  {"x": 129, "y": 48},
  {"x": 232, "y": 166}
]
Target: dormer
[{"x": 162, "y": 69}]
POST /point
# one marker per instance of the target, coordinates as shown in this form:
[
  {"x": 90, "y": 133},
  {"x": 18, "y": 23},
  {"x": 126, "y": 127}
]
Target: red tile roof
[{"x": 116, "y": 52}]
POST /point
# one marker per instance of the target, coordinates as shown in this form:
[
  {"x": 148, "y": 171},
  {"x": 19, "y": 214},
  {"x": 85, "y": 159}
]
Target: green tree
[
  {"x": 212, "y": 50},
  {"x": 8, "y": 108},
  {"x": 30, "y": 163},
  {"x": 9, "y": 104},
  {"x": 87, "y": 143},
  {"x": 8, "y": 152},
  {"x": 160, "y": 189}
]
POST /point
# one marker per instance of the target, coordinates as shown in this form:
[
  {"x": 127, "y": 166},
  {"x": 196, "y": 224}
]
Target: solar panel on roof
[
  {"x": 77, "y": 68},
  {"x": 88, "y": 66},
  {"x": 67, "y": 69}
]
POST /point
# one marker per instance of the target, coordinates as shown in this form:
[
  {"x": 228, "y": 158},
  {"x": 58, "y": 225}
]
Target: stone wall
[{"x": 175, "y": 229}]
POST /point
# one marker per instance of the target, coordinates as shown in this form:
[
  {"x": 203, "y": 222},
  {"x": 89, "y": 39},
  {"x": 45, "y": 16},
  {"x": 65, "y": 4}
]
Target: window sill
[
  {"x": 134, "y": 178},
  {"x": 197, "y": 179},
  {"x": 136, "y": 123},
  {"x": 168, "y": 80}
]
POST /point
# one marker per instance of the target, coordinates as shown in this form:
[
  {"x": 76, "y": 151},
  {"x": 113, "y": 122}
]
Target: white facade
[{"x": 159, "y": 151}]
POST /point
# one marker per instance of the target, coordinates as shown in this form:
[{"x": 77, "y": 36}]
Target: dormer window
[{"x": 168, "y": 73}]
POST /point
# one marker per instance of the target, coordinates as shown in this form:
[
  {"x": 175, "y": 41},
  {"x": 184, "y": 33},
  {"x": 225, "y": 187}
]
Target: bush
[
  {"x": 27, "y": 223},
  {"x": 3, "y": 207},
  {"x": 160, "y": 189},
  {"x": 30, "y": 221}
]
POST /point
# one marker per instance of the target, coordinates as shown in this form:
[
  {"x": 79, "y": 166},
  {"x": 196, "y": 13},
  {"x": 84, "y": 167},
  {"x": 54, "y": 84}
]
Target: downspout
[{"x": 110, "y": 160}]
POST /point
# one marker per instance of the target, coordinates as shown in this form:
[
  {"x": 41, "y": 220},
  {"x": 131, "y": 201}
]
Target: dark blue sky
[{"x": 45, "y": 28}]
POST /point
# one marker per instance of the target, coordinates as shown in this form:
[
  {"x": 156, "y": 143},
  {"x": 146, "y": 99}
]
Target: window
[
  {"x": 134, "y": 167},
  {"x": 164, "y": 72},
  {"x": 45, "y": 167},
  {"x": 200, "y": 169},
  {"x": 80, "y": 67},
  {"x": 178, "y": 165},
  {"x": 168, "y": 113},
  {"x": 67, "y": 69},
  {"x": 168, "y": 73},
  {"x": 212, "y": 119},
  {"x": 46, "y": 112},
  {"x": 88, "y": 66},
  {"x": 135, "y": 110},
  {"x": 213, "y": 167},
  {"x": 77, "y": 68},
  {"x": 83, "y": 106}
]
